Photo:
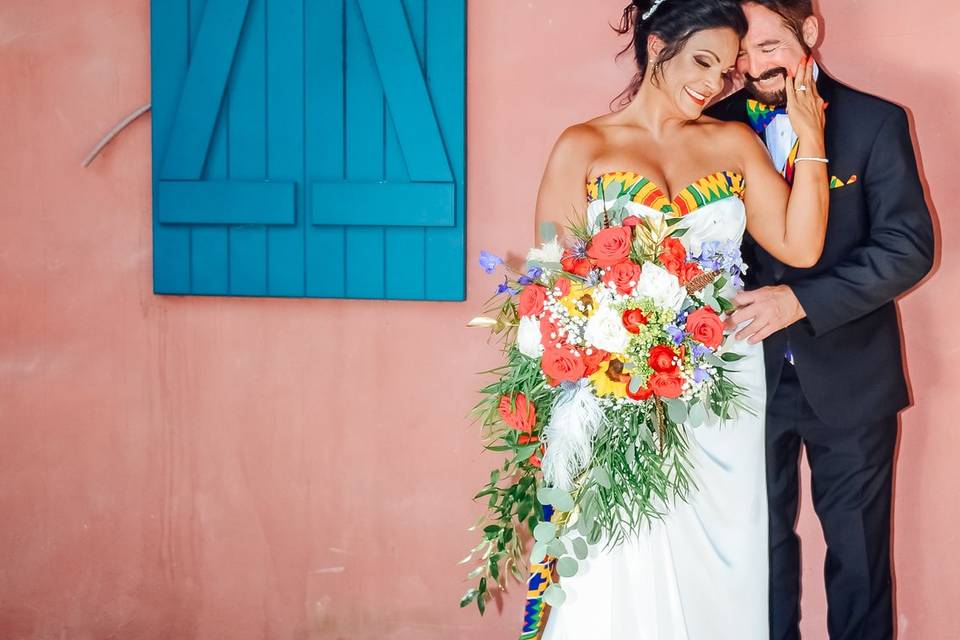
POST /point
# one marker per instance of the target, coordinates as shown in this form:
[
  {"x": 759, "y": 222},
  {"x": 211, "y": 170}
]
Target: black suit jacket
[{"x": 879, "y": 244}]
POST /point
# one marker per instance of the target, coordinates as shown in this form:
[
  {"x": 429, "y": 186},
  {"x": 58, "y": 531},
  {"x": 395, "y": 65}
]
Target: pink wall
[{"x": 253, "y": 468}]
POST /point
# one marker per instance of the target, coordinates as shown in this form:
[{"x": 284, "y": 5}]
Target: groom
[{"x": 831, "y": 334}]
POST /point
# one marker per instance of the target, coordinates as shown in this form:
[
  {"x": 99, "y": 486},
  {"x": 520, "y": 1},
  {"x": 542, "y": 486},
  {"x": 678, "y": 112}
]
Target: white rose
[
  {"x": 661, "y": 286},
  {"x": 549, "y": 253},
  {"x": 605, "y": 330},
  {"x": 528, "y": 337}
]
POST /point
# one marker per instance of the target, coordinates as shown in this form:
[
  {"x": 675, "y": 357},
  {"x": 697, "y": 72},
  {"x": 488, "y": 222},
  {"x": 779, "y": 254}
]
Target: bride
[{"x": 701, "y": 572}]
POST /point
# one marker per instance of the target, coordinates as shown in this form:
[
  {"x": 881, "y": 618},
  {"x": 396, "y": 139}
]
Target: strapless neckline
[{"x": 644, "y": 191}]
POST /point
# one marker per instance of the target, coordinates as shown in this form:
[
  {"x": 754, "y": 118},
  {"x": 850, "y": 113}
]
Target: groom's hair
[{"x": 793, "y": 12}]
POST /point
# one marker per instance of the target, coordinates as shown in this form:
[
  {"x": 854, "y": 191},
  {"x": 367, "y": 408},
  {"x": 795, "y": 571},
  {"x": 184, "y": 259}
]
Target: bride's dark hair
[{"x": 674, "y": 22}]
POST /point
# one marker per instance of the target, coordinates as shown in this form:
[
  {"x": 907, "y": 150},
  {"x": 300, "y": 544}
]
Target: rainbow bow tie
[{"x": 761, "y": 115}]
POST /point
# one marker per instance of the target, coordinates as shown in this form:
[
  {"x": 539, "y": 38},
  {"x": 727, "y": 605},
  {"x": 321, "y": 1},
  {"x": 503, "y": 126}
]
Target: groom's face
[{"x": 769, "y": 50}]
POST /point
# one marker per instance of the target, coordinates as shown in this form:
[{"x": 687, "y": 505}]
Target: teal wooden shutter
[{"x": 309, "y": 148}]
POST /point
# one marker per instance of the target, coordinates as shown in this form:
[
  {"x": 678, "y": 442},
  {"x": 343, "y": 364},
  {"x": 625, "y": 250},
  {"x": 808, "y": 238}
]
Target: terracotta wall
[{"x": 201, "y": 468}]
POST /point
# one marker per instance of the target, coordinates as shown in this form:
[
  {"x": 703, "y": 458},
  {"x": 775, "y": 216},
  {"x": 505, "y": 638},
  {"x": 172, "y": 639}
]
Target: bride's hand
[{"x": 804, "y": 104}]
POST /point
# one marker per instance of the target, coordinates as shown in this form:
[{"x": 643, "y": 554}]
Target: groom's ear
[{"x": 811, "y": 31}]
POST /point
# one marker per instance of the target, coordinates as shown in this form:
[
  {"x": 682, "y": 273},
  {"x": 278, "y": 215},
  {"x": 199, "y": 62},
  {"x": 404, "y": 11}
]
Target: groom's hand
[{"x": 770, "y": 309}]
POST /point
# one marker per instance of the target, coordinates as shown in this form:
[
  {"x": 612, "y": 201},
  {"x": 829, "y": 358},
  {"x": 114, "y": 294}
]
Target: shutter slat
[
  {"x": 325, "y": 261},
  {"x": 446, "y": 61},
  {"x": 169, "y": 44},
  {"x": 209, "y": 245},
  {"x": 285, "y": 245},
  {"x": 401, "y": 77},
  {"x": 365, "y": 159},
  {"x": 405, "y": 250},
  {"x": 247, "y": 149},
  {"x": 226, "y": 202},
  {"x": 380, "y": 204},
  {"x": 203, "y": 89}
]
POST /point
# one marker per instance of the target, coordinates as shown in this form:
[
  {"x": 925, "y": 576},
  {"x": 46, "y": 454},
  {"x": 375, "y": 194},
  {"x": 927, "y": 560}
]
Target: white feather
[{"x": 574, "y": 422}]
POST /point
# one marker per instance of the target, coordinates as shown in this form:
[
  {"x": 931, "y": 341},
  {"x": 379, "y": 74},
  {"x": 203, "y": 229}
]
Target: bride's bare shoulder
[
  {"x": 578, "y": 142},
  {"x": 725, "y": 133}
]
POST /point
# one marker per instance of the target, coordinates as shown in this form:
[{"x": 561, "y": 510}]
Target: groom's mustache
[{"x": 766, "y": 75}]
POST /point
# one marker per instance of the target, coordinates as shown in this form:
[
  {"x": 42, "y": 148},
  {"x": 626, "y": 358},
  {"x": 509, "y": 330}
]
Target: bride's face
[{"x": 696, "y": 75}]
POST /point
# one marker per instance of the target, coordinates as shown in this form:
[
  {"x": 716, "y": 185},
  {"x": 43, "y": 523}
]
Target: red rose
[
  {"x": 690, "y": 271},
  {"x": 665, "y": 385},
  {"x": 673, "y": 247},
  {"x": 535, "y": 458},
  {"x": 564, "y": 285},
  {"x": 623, "y": 275},
  {"x": 631, "y": 221},
  {"x": 643, "y": 393},
  {"x": 531, "y": 300},
  {"x": 563, "y": 366},
  {"x": 592, "y": 361},
  {"x": 706, "y": 327},
  {"x": 577, "y": 266},
  {"x": 633, "y": 319},
  {"x": 610, "y": 246},
  {"x": 523, "y": 417},
  {"x": 662, "y": 360},
  {"x": 550, "y": 334},
  {"x": 673, "y": 256}
]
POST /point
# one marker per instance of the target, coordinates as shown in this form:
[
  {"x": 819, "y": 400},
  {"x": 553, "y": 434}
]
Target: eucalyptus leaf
[
  {"x": 580, "y": 548},
  {"x": 584, "y": 524},
  {"x": 545, "y": 532},
  {"x": 602, "y": 477},
  {"x": 545, "y": 495},
  {"x": 548, "y": 230},
  {"x": 612, "y": 190},
  {"x": 554, "y": 595},
  {"x": 731, "y": 357},
  {"x": 698, "y": 415},
  {"x": 546, "y": 266},
  {"x": 676, "y": 410},
  {"x": 714, "y": 360},
  {"x": 711, "y": 302},
  {"x": 527, "y": 450},
  {"x": 556, "y": 548},
  {"x": 635, "y": 383},
  {"x": 539, "y": 552},
  {"x": 562, "y": 501},
  {"x": 567, "y": 567}
]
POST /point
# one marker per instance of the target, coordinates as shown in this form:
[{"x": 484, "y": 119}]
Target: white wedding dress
[{"x": 701, "y": 572}]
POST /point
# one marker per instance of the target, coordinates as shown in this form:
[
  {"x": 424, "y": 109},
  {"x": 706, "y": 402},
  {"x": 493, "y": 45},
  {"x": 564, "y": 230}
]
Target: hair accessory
[{"x": 650, "y": 12}]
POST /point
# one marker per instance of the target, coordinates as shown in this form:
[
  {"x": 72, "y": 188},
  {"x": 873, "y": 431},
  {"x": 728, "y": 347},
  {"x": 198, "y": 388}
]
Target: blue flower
[
  {"x": 489, "y": 262},
  {"x": 676, "y": 334},
  {"x": 506, "y": 288},
  {"x": 700, "y": 350},
  {"x": 531, "y": 276},
  {"x": 578, "y": 249},
  {"x": 700, "y": 375}
]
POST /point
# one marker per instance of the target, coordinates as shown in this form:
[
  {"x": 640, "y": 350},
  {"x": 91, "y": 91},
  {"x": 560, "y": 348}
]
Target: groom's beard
[{"x": 773, "y": 98}]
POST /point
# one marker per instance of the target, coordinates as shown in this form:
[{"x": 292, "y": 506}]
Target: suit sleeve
[{"x": 899, "y": 250}]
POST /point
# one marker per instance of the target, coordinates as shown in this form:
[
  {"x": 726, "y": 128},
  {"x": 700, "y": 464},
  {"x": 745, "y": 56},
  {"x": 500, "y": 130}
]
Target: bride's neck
[{"x": 652, "y": 110}]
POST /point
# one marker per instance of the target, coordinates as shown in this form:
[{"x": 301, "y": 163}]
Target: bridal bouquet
[{"x": 614, "y": 344}]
